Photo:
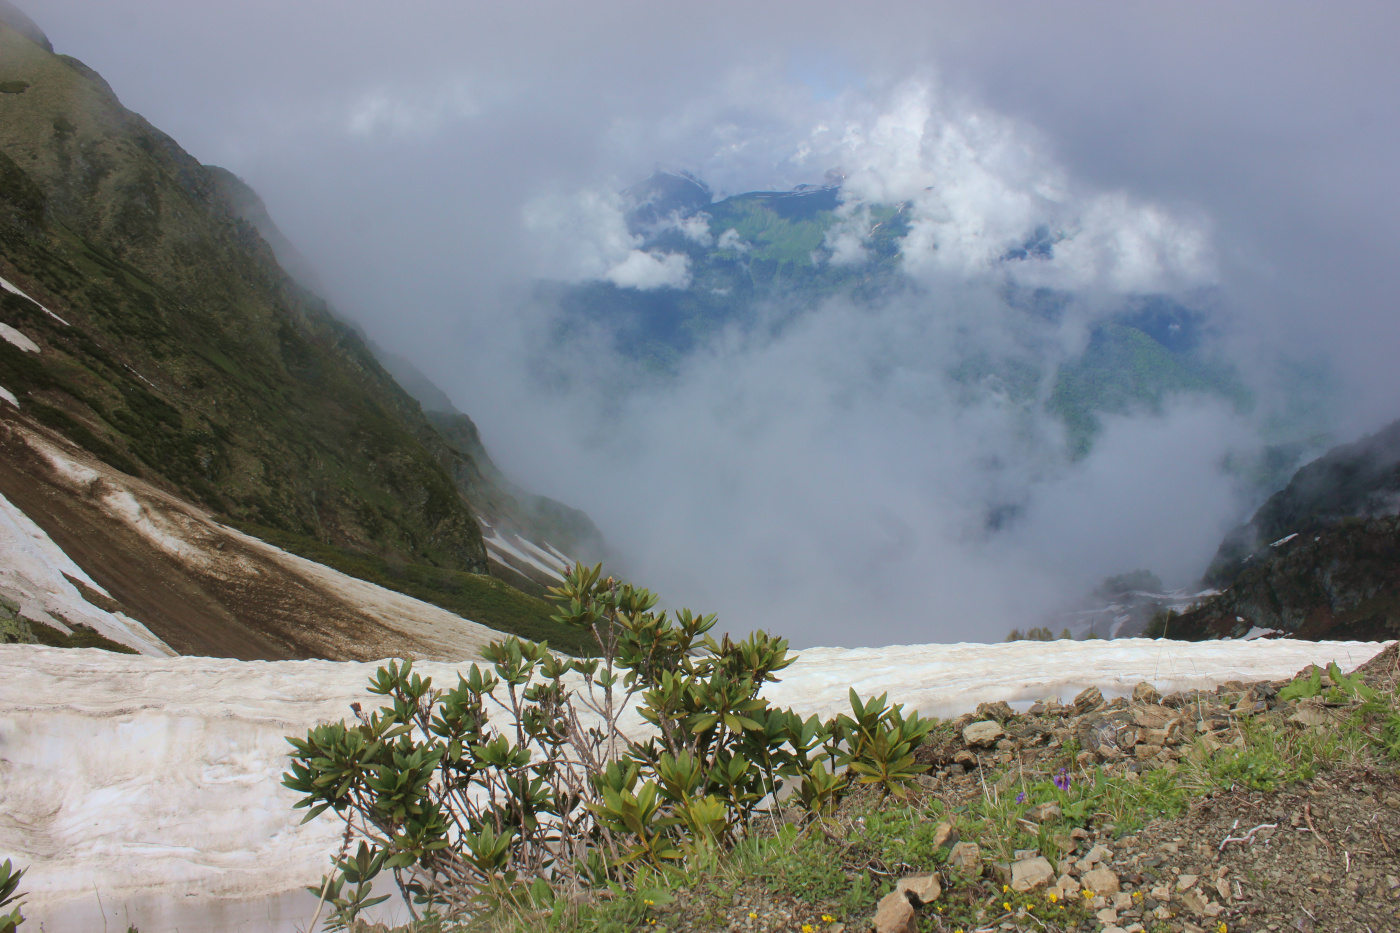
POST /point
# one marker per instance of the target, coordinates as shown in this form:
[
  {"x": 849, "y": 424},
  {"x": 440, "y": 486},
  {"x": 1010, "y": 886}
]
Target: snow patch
[
  {"x": 37, "y": 574},
  {"x": 508, "y": 548},
  {"x": 1284, "y": 540},
  {"x": 9, "y": 396},
  {"x": 9, "y": 287},
  {"x": 192, "y": 749},
  {"x": 18, "y": 339}
]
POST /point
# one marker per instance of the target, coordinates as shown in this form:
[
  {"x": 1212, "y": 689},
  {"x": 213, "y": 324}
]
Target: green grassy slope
[{"x": 193, "y": 360}]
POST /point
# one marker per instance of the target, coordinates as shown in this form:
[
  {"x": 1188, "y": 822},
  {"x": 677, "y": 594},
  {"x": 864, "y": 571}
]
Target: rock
[
  {"x": 999, "y": 711},
  {"x": 1021, "y": 855},
  {"x": 966, "y": 759},
  {"x": 1066, "y": 886},
  {"x": 1154, "y": 717},
  {"x": 894, "y": 914},
  {"x": 1102, "y": 881},
  {"x": 1107, "y": 916},
  {"x": 1193, "y": 902},
  {"x": 944, "y": 836},
  {"x": 982, "y": 734},
  {"x": 1031, "y": 873},
  {"x": 1146, "y": 694},
  {"x": 1160, "y": 736},
  {"x": 920, "y": 889},
  {"x": 966, "y": 857},
  {"x": 1393, "y": 802},
  {"x": 1122, "y": 901},
  {"x": 1309, "y": 715},
  {"x": 1162, "y": 893},
  {"x": 1098, "y": 735},
  {"x": 1044, "y": 812},
  {"x": 1097, "y": 854},
  {"x": 1089, "y": 701},
  {"x": 1145, "y": 752},
  {"x": 1186, "y": 882}
]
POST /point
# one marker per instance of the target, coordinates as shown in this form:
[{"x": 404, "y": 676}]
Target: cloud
[
  {"x": 386, "y": 111},
  {"x": 585, "y": 237},
  {"x": 828, "y": 477},
  {"x": 648, "y": 270}
]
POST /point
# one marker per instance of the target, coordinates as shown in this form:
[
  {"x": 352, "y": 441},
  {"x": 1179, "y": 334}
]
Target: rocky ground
[{"x": 1266, "y": 852}]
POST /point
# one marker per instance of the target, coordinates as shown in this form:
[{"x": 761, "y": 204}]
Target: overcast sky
[{"x": 429, "y": 157}]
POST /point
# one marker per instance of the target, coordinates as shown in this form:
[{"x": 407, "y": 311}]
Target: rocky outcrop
[{"x": 1342, "y": 581}]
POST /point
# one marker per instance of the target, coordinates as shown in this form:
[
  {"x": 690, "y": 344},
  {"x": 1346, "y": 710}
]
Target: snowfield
[{"x": 147, "y": 791}]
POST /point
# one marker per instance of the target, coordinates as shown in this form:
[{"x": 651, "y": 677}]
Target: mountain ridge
[{"x": 151, "y": 320}]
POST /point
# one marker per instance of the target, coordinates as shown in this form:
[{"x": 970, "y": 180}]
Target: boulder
[
  {"x": 1000, "y": 711},
  {"x": 1102, "y": 881},
  {"x": 1044, "y": 813},
  {"x": 966, "y": 858},
  {"x": 1089, "y": 701},
  {"x": 1146, "y": 694},
  {"x": 1031, "y": 874},
  {"x": 983, "y": 734},
  {"x": 894, "y": 914},
  {"x": 945, "y": 836},
  {"x": 920, "y": 889}
]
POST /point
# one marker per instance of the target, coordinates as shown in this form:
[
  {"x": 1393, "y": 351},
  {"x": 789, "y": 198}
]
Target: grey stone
[{"x": 982, "y": 734}]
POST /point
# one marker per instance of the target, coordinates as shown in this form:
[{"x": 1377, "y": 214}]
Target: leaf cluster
[
  {"x": 520, "y": 784},
  {"x": 9, "y": 888}
]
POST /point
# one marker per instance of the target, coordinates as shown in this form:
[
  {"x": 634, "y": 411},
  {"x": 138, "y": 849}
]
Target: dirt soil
[{"x": 204, "y": 588}]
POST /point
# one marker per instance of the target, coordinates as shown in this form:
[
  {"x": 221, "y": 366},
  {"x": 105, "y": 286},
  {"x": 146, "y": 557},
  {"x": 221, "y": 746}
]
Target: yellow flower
[
  {"x": 1004, "y": 889},
  {"x": 648, "y": 903},
  {"x": 1006, "y": 904},
  {"x": 1222, "y": 928},
  {"x": 752, "y": 915},
  {"x": 1052, "y": 897},
  {"x": 827, "y": 918},
  {"x": 1137, "y": 894},
  {"x": 806, "y": 928}
]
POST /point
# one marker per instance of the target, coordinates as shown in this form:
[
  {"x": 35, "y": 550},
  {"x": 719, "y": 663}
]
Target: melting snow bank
[
  {"x": 147, "y": 791},
  {"x": 43, "y": 580}
]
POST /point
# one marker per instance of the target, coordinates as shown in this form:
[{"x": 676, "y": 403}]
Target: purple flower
[
  {"x": 1021, "y": 797},
  {"x": 1062, "y": 779}
]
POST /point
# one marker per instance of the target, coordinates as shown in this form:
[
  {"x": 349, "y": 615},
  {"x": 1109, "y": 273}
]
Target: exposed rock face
[
  {"x": 1320, "y": 559},
  {"x": 1358, "y": 480},
  {"x": 1341, "y": 581}
]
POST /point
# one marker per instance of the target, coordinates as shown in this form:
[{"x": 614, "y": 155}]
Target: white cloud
[
  {"x": 648, "y": 270},
  {"x": 585, "y": 238},
  {"x": 730, "y": 239},
  {"x": 696, "y": 228},
  {"x": 386, "y": 111}
]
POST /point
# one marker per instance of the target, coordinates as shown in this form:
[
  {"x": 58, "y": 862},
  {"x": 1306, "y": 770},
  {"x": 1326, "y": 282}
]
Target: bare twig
[
  {"x": 1307, "y": 815},
  {"x": 1247, "y": 837}
]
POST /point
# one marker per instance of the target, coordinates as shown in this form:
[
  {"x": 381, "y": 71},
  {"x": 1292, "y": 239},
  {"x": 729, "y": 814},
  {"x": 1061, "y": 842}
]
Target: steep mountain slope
[
  {"x": 191, "y": 357},
  {"x": 150, "y": 317},
  {"x": 1320, "y": 558}
]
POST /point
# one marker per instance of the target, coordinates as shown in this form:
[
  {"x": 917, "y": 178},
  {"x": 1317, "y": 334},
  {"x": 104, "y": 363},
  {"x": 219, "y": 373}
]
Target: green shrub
[
  {"x": 556, "y": 799},
  {"x": 9, "y": 886}
]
